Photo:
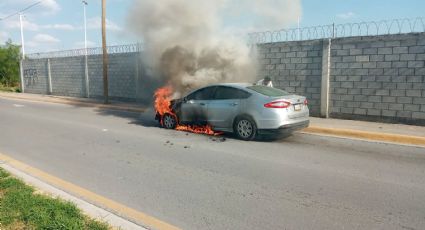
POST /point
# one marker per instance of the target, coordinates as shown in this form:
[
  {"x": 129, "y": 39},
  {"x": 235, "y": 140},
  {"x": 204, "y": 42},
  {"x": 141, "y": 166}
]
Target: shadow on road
[{"x": 146, "y": 118}]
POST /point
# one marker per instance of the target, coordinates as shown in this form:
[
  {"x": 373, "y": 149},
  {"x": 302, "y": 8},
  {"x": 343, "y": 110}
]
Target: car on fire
[{"x": 244, "y": 109}]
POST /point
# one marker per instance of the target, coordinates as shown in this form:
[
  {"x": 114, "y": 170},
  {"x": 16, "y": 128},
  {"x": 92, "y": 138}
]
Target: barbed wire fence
[
  {"x": 370, "y": 28},
  {"x": 130, "y": 48}
]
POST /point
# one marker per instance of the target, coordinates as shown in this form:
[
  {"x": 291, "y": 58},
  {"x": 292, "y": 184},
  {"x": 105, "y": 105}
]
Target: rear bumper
[{"x": 285, "y": 129}]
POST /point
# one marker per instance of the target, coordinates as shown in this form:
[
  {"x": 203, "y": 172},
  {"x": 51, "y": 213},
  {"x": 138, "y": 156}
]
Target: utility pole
[
  {"x": 21, "y": 62},
  {"x": 22, "y": 36},
  {"x": 85, "y": 51},
  {"x": 105, "y": 55}
]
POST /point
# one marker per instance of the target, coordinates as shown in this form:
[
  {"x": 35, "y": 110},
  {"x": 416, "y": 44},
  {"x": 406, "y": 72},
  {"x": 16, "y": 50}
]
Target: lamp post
[
  {"x": 22, "y": 36},
  {"x": 21, "y": 70},
  {"x": 85, "y": 51},
  {"x": 105, "y": 55}
]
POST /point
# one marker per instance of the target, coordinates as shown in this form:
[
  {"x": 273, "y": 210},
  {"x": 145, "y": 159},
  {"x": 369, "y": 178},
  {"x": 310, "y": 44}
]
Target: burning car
[{"x": 244, "y": 109}]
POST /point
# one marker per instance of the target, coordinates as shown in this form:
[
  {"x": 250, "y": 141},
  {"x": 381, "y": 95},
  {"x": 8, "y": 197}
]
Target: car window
[
  {"x": 268, "y": 91},
  {"x": 224, "y": 93},
  {"x": 202, "y": 94}
]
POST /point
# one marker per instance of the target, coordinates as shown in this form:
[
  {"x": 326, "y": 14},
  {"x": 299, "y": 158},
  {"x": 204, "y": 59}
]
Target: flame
[{"x": 163, "y": 98}]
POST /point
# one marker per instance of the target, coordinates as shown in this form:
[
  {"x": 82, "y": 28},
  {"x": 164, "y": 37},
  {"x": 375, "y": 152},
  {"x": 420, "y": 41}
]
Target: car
[{"x": 247, "y": 110}]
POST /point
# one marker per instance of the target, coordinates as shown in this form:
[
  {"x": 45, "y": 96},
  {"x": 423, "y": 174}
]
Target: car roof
[{"x": 236, "y": 85}]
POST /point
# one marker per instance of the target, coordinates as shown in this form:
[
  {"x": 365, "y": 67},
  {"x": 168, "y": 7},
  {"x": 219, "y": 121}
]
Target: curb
[
  {"x": 76, "y": 103},
  {"x": 87, "y": 208},
  {"x": 374, "y": 136},
  {"x": 95, "y": 205}
]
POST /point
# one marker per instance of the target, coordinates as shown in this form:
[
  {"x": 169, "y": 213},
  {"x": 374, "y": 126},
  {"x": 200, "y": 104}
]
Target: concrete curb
[
  {"x": 87, "y": 208},
  {"x": 74, "y": 102},
  {"x": 374, "y": 136},
  {"x": 97, "y": 205}
]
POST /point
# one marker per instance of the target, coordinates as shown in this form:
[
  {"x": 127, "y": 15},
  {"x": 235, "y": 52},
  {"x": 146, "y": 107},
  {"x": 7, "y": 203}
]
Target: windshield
[{"x": 268, "y": 91}]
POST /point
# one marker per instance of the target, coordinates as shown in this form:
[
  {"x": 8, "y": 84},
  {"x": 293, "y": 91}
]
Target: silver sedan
[{"x": 244, "y": 109}]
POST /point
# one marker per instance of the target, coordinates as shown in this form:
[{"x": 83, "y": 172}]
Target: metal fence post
[
  {"x": 326, "y": 64},
  {"x": 49, "y": 76}
]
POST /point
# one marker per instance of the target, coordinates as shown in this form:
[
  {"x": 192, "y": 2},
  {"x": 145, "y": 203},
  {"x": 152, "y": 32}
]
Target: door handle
[
  {"x": 234, "y": 104},
  {"x": 202, "y": 104}
]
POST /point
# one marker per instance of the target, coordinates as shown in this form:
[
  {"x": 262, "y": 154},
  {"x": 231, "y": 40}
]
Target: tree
[{"x": 9, "y": 64}]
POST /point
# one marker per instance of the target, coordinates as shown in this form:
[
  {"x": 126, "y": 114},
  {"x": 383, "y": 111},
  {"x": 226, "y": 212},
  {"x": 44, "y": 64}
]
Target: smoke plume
[{"x": 185, "y": 45}]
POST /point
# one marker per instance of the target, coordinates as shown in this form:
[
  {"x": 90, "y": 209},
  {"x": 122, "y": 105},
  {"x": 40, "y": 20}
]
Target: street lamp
[
  {"x": 85, "y": 50},
  {"x": 22, "y": 36},
  {"x": 105, "y": 55},
  {"x": 21, "y": 69}
]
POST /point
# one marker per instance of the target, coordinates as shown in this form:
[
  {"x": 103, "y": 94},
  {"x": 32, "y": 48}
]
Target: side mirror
[{"x": 184, "y": 99}]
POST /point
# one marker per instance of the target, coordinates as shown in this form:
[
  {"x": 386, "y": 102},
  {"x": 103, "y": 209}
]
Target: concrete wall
[
  {"x": 295, "y": 67},
  {"x": 68, "y": 76},
  {"x": 380, "y": 78},
  {"x": 37, "y": 82}
]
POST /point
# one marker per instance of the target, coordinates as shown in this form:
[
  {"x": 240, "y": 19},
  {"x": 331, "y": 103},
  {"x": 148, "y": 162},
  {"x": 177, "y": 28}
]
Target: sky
[{"x": 58, "y": 24}]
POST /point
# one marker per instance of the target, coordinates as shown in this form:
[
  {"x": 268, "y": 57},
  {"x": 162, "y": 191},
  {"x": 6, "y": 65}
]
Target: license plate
[{"x": 297, "y": 107}]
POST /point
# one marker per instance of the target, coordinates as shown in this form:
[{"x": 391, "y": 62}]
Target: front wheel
[
  {"x": 169, "y": 121},
  {"x": 245, "y": 128}
]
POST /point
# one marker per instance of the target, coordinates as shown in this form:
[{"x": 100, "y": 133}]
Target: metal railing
[
  {"x": 371, "y": 28},
  {"x": 130, "y": 48}
]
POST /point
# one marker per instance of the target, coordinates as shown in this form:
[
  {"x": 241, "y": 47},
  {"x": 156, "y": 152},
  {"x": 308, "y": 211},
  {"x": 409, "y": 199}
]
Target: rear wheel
[
  {"x": 245, "y": 128},
  {"x": 169, "y": 121}
]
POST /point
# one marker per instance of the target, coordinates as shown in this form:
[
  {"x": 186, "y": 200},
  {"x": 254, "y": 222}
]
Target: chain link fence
[
  {"x": 130, "y": 48},
  {"x": 371, "y": 28}
]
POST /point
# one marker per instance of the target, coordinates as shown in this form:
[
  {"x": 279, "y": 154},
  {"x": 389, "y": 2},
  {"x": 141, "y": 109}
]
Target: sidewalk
[
  {"x": 373, "y": 131},
  {"x": 367, "y": 126},
  {"x": 87, "y": 102}
]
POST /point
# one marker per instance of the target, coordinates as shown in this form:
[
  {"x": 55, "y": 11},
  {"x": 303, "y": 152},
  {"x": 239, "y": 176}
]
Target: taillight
[
  {"x": 278, "y": 104},
  {"x": 305, "y": 102}
]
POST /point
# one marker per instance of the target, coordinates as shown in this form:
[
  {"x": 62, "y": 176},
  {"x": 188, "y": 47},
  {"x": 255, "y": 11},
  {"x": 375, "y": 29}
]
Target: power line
[{"x": 20, "y": 11}]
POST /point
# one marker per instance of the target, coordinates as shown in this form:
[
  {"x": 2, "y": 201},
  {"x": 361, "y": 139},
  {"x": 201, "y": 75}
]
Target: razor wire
[
  {"x": 370, "y": 28},
  {"x": 130, "y": 48}
]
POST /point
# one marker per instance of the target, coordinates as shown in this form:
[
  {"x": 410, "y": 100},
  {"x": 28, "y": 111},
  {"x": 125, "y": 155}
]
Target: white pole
[
  {"x": 49, "y": 76},
  {"x": 22, "y": 37},
  {"x": 85, "y": 27},
  {"x": 21, "y": 70},
  {"x": 85, "y": 51}
]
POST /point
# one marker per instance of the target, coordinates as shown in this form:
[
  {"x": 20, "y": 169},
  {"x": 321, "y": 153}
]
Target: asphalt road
[{"x": 199, "y": 182}]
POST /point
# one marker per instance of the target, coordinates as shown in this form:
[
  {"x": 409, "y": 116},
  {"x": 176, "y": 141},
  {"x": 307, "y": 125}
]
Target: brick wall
[
  {"x": 374, "y": 78},
  {"x": 295, "y": 67},
  {"x": 378, "y": 78},
  {"x": 68, "y": 76},
  {"x": 39, "y": 83}
]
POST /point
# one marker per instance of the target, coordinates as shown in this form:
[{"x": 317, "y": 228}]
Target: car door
[
  {"x": 194, "y": 106},
  {"x": 225, "y": 106}
]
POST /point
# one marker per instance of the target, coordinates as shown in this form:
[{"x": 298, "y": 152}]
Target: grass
[
  {"x": 10, "y": 88},
  {"x": 22, "y": 208}
]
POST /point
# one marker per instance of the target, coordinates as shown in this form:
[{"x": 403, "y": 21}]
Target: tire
[
  {"x": 245, "y": 128},
  {"x": 169, "y": 121}
]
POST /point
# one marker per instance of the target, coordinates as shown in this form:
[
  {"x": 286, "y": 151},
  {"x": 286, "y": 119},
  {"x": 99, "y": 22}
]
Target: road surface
[{"x": 200, "y": 182}]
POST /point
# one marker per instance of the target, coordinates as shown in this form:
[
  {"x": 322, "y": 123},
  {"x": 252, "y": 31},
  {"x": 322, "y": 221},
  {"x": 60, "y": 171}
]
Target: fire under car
[{"x": 244, "y": 109}]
